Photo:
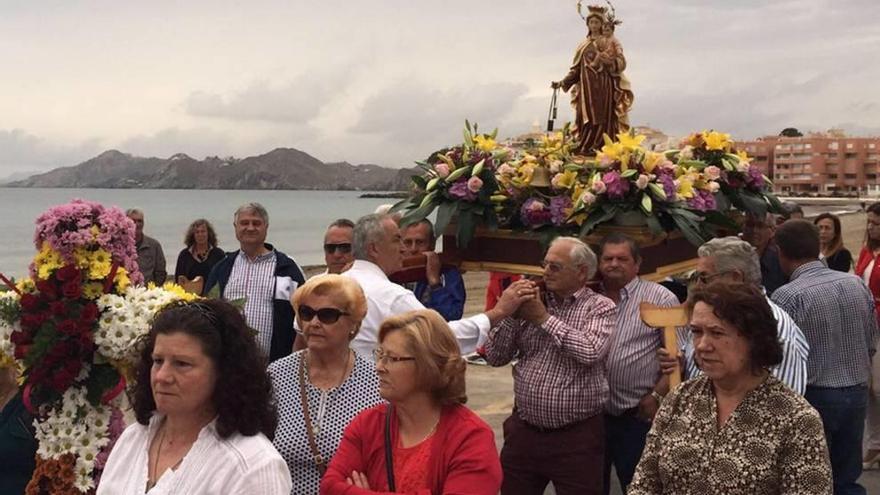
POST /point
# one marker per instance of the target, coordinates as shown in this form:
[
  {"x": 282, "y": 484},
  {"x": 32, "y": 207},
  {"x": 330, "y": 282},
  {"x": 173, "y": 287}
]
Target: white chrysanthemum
[{"x": 7, "y": 350}]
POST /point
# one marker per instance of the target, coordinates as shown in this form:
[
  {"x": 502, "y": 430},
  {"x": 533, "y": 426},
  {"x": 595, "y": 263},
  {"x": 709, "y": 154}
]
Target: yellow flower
[
  {"x": 743, "y": 156},
  {"x": 93, "y": 290},
  {"x": 81, "y": 258},
  {"x": 564, "y": 180},
  {"x": 95, "y": 232},
  {"x": 685, "y": 187},
  {"x": 612, "y": 149},
  {"x": 716, "y": 140},
  {"x": 576, "y": 192},
  {"x": 47, "y": 261},
  {"x": 630, "y": 141},
  {"x": 121, "y": 280},
  {"x": 100, "y": 264},
  {"x": 179, "y": 292},
  {"x": 485, "y": 143},
  {"x": 26, "y": 286},
  {"x": 651, "y": 161}
]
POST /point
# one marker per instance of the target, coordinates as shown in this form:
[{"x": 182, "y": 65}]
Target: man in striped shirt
[
  {"x": 635, "y": 383},
  {"x": 735, "y": 259},
  {"x": 556, "y": 431},
  {"x": 836, "y": 311}
]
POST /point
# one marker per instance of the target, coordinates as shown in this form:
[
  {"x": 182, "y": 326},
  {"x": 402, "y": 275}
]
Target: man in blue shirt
[{"x": 443, "y": 290}]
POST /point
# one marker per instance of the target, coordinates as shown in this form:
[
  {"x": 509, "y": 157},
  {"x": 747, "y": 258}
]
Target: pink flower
[
  {"x": 506, "y": 169},
  {"x": 598, "y": 187},
  {"x": 442, "y": 170},
  {"x": 615, "y": 185},
  {"x": 535, "y": 206},
  {"x": 642, "y": 181},
  {"x": 588, "y": 198},
  {"x": 474, "y": 184},
  {"x": 712, "y": 172}
]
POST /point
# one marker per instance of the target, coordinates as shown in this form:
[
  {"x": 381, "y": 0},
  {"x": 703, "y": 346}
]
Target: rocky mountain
[{"x": 282, "y": 168}]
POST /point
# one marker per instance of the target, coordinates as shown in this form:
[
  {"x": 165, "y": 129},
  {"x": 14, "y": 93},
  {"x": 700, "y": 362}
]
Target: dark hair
[
  {"x": 798, "y": 240},
  {"x": 243, "y": 391},
  {"x": 341, "y": 223},
  {"x": 432, "y": 236},
  {"x": 789, "y": 208},
  {"x": 871, "y": 243},
  {"x": 190, "y": 237},
  {"x": 620, "y": 238},
  {"x": 837, "y": 240},
  {"x": 745, "y": 307}
]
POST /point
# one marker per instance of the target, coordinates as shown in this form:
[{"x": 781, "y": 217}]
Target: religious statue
[{"x": 600, "y": 93}]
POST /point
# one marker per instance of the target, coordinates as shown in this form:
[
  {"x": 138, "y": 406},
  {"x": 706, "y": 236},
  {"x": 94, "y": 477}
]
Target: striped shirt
[
  {"x": 254, "y": 281},
  {"x": 632, "y": 364},
  {"x": 792, "y": 371},
  {"x": 836, "y": 312},
  {"x": 560, "y": 377}
]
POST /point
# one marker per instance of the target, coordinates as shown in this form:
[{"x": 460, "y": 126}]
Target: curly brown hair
[
  {"x": 190, "y": 237},
  {"x": 744, "y": 307},
  {"x": 242, "y": 395}
]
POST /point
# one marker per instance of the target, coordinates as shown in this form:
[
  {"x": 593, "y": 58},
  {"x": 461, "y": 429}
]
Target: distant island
[{"x": 282, "y": 168}]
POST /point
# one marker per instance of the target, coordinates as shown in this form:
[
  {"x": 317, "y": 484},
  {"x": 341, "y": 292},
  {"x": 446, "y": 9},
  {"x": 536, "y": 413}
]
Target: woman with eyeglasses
[
  {"x": 425, "y": 440},
  {"x": 868, "y": 267},
  {"x": 321, "y": 388},
  {"x": 202, "y": 401}
]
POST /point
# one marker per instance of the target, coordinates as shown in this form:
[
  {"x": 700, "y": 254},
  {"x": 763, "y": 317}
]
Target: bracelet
[{"x": 656, "y": 395}]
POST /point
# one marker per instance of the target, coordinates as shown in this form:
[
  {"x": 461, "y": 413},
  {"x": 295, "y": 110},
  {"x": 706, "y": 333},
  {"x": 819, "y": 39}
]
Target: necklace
[{"x": 153, "y": 475}]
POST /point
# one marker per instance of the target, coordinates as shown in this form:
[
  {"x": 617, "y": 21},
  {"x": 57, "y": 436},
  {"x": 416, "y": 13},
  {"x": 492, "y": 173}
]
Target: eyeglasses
[
  {"x": 380, "y": 357},
  {"x": 327, "y": 316},
  {"x": 552, "y": 266},
  {"x": 343, "y": 248},
  {"x": 704, "y": 278}
]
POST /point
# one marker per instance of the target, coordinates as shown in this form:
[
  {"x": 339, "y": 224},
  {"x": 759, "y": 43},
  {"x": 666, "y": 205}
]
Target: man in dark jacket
[{"x": 264, "y": 277}]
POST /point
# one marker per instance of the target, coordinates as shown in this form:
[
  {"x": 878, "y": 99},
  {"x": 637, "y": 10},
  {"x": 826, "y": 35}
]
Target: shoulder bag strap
[
  {"x": 389, "y": 461},
  {"x": 320, "y": 462}
]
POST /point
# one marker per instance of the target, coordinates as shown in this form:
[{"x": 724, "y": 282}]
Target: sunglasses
[
  {"x": 327, "y": 316},
  {"x": 343, "y": 248}
]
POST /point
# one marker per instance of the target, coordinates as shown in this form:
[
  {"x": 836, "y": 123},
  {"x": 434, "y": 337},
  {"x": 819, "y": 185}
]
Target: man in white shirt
[{"x": 377, "y": 253}]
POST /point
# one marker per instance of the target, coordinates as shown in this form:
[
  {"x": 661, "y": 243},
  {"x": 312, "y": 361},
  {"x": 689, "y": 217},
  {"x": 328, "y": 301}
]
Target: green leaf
[
  {"x": 654, "y": 225},
  {"x": 445, "y": 212},
  {"x": 419, "y": 182},
  {"x": 646, "y": 204},
  {"x": 598, "y": 218},
  {"x": 417, "y": 214},
  {"x": 629, "y": 173},
  {"x": 688, "y": 227},
  {"x": 466, "y": 227},
  {"x": 697, "y": 164},
  {"x": 722, "y": 203},
  {"x": 658, "y": 191}
]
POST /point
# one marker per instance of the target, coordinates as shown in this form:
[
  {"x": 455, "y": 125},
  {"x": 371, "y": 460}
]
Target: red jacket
[
  {"x": 865, "y": 257},
  {"x": 463, "y": 454}
]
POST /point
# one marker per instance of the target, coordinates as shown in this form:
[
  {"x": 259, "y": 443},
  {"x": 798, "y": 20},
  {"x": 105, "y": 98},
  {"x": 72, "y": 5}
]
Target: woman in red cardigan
[
  {"x": 436, "y": 445},
  {"x": 868, "y": 268}
]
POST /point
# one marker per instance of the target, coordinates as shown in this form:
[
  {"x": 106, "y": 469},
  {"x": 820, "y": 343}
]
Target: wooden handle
[
  {"x": 667, "y": 318},
  {"x": 671, "y": 344}
]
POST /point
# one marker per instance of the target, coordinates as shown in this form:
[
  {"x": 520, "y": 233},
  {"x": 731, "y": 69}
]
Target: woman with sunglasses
[
  {"x": 425, "y": 440},
  {"x": 321, "y": 388}
]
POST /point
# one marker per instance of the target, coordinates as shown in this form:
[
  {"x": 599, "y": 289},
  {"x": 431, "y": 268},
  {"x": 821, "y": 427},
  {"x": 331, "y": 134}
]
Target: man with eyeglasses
[
  {"x": 758, "y": 230},
  {"x": 378, "y": 253},
  {"x": 635, "y": 383},
  {"x": 731, "y": 258},
  {"x": 556, "y": 432},
  {"x": 337, "y": 245},
  {"x": 443, "y": 290}
]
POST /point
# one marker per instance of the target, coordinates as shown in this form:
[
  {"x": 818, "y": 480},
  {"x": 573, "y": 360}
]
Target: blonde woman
[{"x": 425, "y": 439}]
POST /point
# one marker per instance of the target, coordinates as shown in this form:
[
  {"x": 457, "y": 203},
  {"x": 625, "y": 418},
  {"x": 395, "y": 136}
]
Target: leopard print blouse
[{"x": 772, "y": 443}]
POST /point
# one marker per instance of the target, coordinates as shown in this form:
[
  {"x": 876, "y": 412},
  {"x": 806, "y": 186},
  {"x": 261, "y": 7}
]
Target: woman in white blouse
[
  {"x": 319, "y": 390},
  {"x": 202, "y": 402}
]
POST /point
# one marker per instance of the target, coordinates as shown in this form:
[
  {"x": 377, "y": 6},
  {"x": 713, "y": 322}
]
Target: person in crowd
[
  {"x": 498, "y": 282},
  {"x": 443, "y": 291},
  {"x": 736, "y": 429},
  {"x": 202, "y": 400},
  {"x": 200, "y": 254},
  {"x": 337, "y": 245},
  {"x": 561, "y": 337},
  {"x": 831, "y": 247},
  {"x": 636, "y": 386},
  {"x": 867, "y": 269},
  {"x": 18, "y": 444},
  {"x": 377, "y": 254},
  {"x": 424, "y": 440},
  {"x": 264, "y": 277},
  {"x": 836, "y": 312},
  {"x": 790, "y": 211},
  {"x": 734, "y": 260},
  {"x": 150, "y": 257},
  {"x": 758, "y": 231},
  {"x": 319, "y": 390}
]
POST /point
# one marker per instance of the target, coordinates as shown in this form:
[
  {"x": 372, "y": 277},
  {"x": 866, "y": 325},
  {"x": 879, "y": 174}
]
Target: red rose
[
  {"x": 68, "y": 327},
  {"x": 72, "y": 289},
  {"x": 21, "y": 351},
  {"x": 86, "y": 343},
  {"x": 68, "y": 273},
  {"x": 33, "y": 321},
  {"x": 48, "y": 289},
  {"x": 29, "y": 302},
  {"x": 58, "y": 308},
  {"x": 19, "y": 338},
  {"x": 89, "y": 313},
  {"x": 61, "y": 381},
  {"x": 73, "y": 367}
]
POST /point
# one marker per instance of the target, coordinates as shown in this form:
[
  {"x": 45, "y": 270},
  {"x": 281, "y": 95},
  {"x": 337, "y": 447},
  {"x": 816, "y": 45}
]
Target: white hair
[
  {"x": 580, "y": 253},
  {"x": 732, "y": 253}
]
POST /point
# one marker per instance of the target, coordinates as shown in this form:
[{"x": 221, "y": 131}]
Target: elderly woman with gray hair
[{"x": 735, "y": 260}]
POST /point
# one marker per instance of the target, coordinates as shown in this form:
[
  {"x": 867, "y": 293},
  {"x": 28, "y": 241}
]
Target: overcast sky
[{"x": 388, "y": 81}]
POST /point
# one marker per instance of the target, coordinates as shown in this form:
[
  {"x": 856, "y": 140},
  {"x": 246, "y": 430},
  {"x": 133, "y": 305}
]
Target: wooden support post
[{"x": 667, "y": 318}]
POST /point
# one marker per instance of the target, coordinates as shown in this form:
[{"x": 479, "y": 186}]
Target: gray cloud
[
  {"x": 22, "y": 151},
  {"x": 196, "y": 142}
]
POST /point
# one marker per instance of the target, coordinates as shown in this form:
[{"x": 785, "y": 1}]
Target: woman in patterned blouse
[
  {"x": 736, "y": 429},
  {"x": 336, "y": 383}
]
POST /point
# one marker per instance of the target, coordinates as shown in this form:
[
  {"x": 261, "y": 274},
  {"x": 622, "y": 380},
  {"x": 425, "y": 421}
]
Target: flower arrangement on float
[
  {"x": 542, "y": 186},
  {"x": 73, "y": 327}
]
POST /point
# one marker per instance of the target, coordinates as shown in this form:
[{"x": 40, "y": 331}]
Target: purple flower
[
  {"x": 668, "y": 183},
  {"x": 755, "y": 179},
  {"x": 535, "y": 213},
  {"x": 615, "y": 187},
  {"x": 702, "y": 201},
  {"x": 558, "y": 209},
  {"x": 459, "y": 189}
]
